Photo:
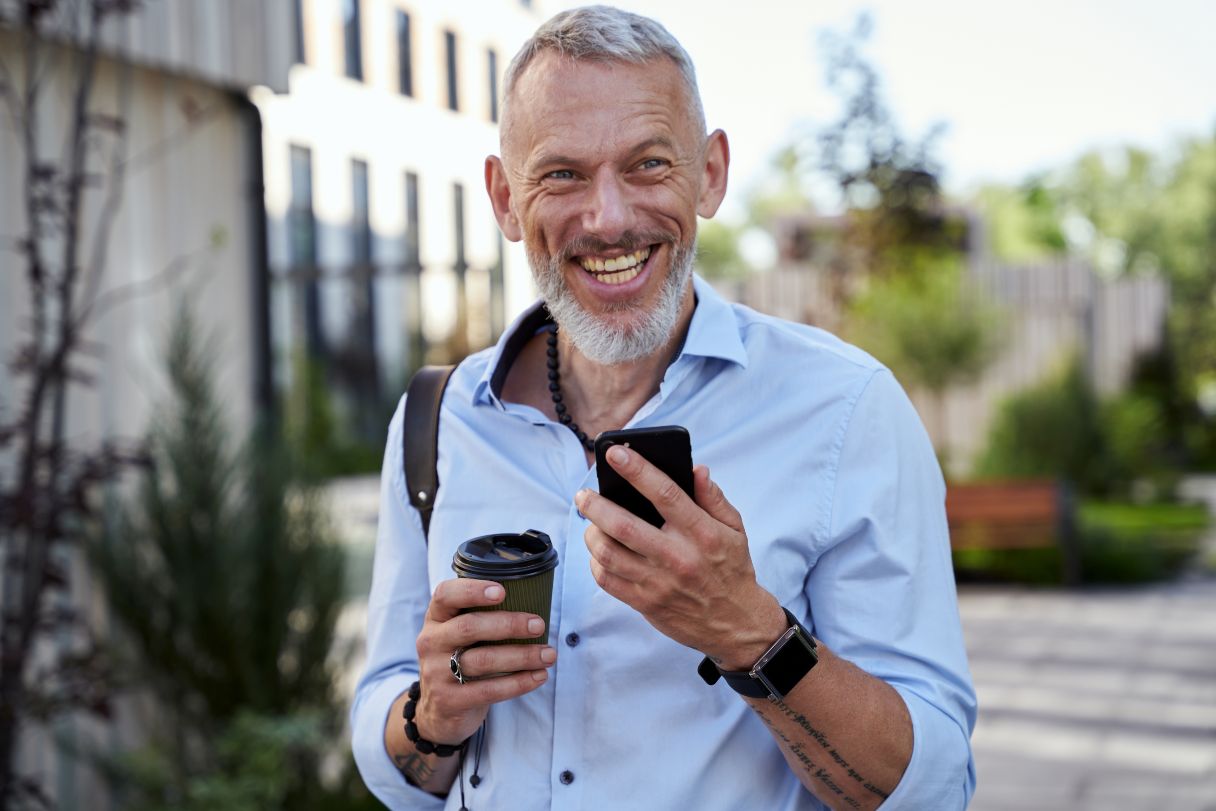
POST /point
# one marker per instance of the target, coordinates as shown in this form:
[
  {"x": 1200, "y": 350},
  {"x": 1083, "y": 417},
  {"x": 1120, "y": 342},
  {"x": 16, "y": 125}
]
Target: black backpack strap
[{"x": 420, "y": 438}]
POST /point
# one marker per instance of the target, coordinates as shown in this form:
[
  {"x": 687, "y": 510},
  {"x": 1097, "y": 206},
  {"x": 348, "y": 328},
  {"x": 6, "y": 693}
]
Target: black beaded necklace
[{"x": 555, "y": 391}]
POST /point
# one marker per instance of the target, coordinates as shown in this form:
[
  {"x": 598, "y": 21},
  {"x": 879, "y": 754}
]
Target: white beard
[{"x": 600, "y": 341}]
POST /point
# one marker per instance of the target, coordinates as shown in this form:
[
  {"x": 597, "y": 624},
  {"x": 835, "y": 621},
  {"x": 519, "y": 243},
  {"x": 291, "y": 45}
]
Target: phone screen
[{"x": 667, "y": 447}]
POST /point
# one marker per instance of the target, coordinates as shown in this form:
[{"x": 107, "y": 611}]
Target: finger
[
  {"x": 627, "y": 529},
  {"x": 614, "y": 556},
  {"x": 667, "y": 497},
  {"x": 490, "y": 660},
  {"x": 460, "y": 593},
  {"x": 709, "y": 497},
  {"x": 485, "y": 626},
  {"x": 614, "y": 585},
  {"x": 491, "y": 690}
]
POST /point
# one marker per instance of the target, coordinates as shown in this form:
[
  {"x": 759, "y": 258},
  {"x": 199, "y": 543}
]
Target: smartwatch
[{"x": 775, "y": 673}]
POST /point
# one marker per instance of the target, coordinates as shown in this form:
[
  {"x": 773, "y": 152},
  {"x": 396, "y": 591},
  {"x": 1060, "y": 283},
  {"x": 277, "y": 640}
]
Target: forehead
[{"x": 587, "y": 109}]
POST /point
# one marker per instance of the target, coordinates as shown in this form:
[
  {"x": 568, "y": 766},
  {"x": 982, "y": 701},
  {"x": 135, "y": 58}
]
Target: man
[{"x": 825, "y": 506}]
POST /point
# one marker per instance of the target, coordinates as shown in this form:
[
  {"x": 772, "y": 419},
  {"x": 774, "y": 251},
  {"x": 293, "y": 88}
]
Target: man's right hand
[{"x": 448, "y": 711}]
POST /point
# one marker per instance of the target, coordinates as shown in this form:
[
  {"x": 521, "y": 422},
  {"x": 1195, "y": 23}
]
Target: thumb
[{"x": 709, "y": 497}]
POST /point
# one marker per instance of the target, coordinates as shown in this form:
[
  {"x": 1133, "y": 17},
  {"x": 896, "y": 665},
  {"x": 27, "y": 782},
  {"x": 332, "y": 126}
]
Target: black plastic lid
[{"x": 505, "y": 556}]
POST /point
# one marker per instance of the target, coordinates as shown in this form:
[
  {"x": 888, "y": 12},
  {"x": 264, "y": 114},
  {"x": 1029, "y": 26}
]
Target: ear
[
  {"x": 500, "y": 198},
  {"x": 713, "y": 177}
]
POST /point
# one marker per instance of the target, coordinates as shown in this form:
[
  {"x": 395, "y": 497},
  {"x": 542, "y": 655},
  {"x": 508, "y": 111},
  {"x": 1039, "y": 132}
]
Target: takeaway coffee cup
[{"x": 523, "y": 563}]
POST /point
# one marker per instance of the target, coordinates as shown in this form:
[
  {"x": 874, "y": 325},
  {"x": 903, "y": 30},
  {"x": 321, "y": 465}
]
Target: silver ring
[{"x": 457, "y": 673}]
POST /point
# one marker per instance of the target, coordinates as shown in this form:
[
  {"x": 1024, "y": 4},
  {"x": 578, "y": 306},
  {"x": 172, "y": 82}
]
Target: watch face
[{"x": 789, "y": 664}]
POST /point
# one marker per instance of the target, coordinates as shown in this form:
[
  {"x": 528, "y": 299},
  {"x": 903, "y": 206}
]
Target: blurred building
[
  {"x": 172, "y": 214},
  {"x": 173, "y": 211},
  {"x": 384, "y": 251},
  {"x": 305, "y": 175}
]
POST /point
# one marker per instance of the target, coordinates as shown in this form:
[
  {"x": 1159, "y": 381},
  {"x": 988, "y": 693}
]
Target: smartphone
[{"x": 667, "y": 447}]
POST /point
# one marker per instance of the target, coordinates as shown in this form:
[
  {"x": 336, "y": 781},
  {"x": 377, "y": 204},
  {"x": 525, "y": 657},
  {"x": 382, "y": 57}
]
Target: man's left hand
[{"x": 692, "y": 578}]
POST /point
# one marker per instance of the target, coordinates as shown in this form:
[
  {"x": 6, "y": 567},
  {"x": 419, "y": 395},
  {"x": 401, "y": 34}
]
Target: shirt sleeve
[
  {"x": 882, "y": 594},
  {"x": 396, "y": 607}
]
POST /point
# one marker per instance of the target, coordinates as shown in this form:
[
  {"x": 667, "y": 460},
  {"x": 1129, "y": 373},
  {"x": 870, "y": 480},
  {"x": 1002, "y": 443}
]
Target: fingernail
[
  {"x": 548, "y": 656},
  {"x": 618, "y": 455},
  {"x": 536, "y": 626},
  {"x": 580, "y": 498},
  {"x": 540, "y": 675},
  {"x": 494, "y": 592}
]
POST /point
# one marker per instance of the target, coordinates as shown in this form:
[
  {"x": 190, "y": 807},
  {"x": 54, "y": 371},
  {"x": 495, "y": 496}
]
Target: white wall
[{"x": 182, "y": 233}]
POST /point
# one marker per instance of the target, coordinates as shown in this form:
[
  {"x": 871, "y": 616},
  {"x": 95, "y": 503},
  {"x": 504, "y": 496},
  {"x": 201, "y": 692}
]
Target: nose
[{"x": 608, "y": 213}]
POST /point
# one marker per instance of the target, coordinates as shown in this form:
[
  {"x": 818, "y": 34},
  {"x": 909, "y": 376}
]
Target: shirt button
[
  {"x": 567, "y": 777},
  {"x": 572, "y": 639}
]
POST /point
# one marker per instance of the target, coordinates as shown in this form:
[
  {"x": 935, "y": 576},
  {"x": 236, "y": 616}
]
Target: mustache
[{"x": 629, "y": 242}]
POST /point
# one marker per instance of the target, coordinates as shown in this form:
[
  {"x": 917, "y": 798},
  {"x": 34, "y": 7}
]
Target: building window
[
  {"x": 449, "y": 42},
  {"x": 405, "y": 55},
  {"x": 492, "y": 62},
  {"x": 299, "y": 30},
  {"x": 302, "y": 248},
  {"x": 413, "y": 273},
  {"x": 361, "y": 226},
  {"x": 413, "y": 247},
  {"x": 352, "y": 39},
  {"x": 360, "y": 366},
  {"x": 458, "y": 220}
]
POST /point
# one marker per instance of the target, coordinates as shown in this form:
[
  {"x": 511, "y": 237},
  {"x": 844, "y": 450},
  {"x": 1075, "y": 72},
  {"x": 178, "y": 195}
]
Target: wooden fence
[{"x": 1051, "y": 311}]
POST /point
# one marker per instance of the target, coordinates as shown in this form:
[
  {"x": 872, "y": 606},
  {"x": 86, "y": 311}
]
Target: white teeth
[
  {"x": 615, "y": 265},
  {"x": 620, "y": 277}
]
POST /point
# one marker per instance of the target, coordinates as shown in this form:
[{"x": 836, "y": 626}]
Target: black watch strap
[{"x": 775, "y": 673}]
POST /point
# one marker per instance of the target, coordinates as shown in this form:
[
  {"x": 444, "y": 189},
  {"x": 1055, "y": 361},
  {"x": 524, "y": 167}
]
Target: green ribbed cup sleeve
[{"x": 531, "y": 595}]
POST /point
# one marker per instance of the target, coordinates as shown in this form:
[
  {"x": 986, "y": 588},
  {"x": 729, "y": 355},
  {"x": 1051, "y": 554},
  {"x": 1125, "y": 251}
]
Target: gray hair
[{"x": 606, "y": 34}]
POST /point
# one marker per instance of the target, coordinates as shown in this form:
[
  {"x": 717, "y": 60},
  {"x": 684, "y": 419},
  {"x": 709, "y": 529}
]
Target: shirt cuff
[
  {"x": 941, "y": 772},
  {"x": 368, "y": 719}
]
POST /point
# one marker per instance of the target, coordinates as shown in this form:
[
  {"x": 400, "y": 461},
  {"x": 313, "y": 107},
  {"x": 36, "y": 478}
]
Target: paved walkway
[{"x": 1094, "y": 699}]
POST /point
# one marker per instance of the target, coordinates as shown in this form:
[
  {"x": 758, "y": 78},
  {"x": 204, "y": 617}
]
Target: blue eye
[
  {"x": 653, "y": 163},
  {"x": 560, "y": 174}
]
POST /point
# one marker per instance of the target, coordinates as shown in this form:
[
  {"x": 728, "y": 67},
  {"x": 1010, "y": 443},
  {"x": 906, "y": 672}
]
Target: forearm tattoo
[
  {"x": 829, "y": 753},
  {"x": 415, "y": 768}
]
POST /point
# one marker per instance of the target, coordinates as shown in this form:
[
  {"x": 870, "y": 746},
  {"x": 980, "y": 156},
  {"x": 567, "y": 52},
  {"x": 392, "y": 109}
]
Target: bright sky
[{"x": 1021, "y": 86}]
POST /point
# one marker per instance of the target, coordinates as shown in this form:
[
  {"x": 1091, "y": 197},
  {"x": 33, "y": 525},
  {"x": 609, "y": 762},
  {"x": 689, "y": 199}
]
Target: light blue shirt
[{"x": 821, "y": 452}]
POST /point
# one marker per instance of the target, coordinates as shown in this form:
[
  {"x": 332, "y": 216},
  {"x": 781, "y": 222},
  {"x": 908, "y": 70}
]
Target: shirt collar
[{"x": 712, "y": 333}]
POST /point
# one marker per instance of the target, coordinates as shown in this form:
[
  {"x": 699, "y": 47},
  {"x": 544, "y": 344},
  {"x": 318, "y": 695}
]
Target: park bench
[{"x": 1024, "y": 514}]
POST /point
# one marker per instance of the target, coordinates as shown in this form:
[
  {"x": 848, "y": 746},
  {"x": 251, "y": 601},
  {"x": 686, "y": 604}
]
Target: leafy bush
[
  {"x": 226, "y": 583},
  {"x": 1050, "y": 430}
]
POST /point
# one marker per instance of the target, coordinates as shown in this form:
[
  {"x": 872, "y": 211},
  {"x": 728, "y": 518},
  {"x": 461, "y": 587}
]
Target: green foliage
[
  {"x": 226, "y": 582},
  {"x": 1120, "y": 544},
  {"x": 1049, "y": 430},
  {"x": 313, "y": 430},
  {"x": 1024, "y": 223},
  {"x": 257, "y": 765},
  {"x": 1060, "y": 428},
  {"x": 925, "y": 323},
  {"x": 1129, "y": 211}
]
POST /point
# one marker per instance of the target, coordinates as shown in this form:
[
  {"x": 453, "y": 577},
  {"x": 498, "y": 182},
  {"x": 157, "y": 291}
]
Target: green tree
[
  {"x": 928, "y": 326},
  {"x": 226, "y": 584},
  {"x": 1024, "y": 223}
]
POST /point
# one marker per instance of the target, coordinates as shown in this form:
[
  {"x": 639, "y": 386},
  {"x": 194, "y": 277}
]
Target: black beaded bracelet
[{"x": 411, "y": 729}]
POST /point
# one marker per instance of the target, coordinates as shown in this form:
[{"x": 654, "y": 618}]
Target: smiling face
[{"x": 603, "y": 174}]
